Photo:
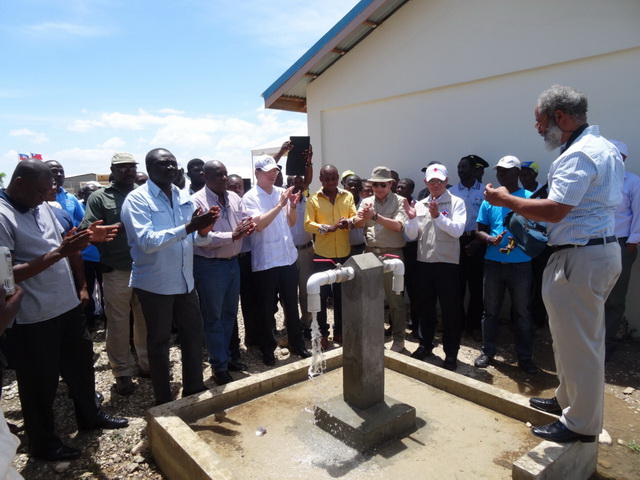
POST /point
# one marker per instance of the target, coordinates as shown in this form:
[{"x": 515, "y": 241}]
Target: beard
[{"x": 553, "y": 136}]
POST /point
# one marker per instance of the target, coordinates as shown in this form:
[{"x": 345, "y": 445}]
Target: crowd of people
[{"x": 171, "y": 258}]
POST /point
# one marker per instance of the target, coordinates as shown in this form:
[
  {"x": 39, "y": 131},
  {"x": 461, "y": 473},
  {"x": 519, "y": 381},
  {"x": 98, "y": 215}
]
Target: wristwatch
[{"x": 375, "y": 217}]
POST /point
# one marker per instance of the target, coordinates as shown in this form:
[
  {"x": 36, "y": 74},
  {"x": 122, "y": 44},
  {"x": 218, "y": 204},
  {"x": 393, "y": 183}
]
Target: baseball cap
[
  {"x": 122, "y": 157},
  {"x": 621, "y": 146},
  {"x": 532, "y": 165},
  {"x": 508, "y": 162},
  {"x": 266, "y": 164},
  {"x": 436, "y": 171}
]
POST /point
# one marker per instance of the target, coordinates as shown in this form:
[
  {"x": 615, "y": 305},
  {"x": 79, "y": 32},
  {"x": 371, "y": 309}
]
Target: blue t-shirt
[{"x": 494, "y": 218}]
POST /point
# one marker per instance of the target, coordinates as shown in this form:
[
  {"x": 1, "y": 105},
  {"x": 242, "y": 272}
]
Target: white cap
[
  {"x": 436, "y": 171},
  {"x": 621, "y": 146},
  {"x": 266, "y": 163},
  {"x": 508, "y": 162}
]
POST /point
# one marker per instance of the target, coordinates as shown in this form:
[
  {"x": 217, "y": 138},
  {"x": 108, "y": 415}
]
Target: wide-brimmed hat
[{"x": 381, "y": 174}]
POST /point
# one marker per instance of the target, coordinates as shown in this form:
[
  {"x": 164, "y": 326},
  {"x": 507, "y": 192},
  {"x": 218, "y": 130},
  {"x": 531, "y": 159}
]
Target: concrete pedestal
[{"x": 364, "y": 429}]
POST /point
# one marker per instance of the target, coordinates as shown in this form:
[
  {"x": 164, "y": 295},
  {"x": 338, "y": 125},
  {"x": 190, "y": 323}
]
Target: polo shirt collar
[{"x": 18, "y": 206}]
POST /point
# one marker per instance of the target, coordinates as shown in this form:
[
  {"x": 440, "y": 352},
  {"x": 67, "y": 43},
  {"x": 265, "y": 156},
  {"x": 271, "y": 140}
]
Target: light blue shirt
[
  {"x": 299, "y": 235},
  {"x": 161, "y": 249},
  {"x": 473, "y": 198},
  {"x": 72, "y": 205},
  {"x": 628, "y": 211},
  {"x": 589, "y": 175},
  {"x": 494, "y": 217}
]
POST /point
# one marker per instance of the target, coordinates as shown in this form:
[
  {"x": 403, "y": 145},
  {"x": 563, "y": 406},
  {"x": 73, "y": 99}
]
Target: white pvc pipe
[
  {"x": 328, "y": 277},
  {"x": 396, "y": 266}
]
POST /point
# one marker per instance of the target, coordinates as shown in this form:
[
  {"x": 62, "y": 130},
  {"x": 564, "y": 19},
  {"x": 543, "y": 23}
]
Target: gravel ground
[{"x": 124, "y": 453}]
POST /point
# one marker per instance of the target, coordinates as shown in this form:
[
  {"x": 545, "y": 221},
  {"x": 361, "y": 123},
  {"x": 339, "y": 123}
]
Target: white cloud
[
  {"x": 113, "y": 143},
  {"x": 171, "y": 111},
  {"x": 33, "y": 137}
]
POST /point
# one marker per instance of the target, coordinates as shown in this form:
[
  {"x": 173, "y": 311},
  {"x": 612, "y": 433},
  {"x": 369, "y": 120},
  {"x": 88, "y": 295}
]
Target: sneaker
[
  {"x": 222, "y": 377},
  {"x": 482, "y": 361}
]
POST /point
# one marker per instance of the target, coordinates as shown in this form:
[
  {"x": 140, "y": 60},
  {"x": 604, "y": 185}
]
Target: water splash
[{"x": 318, "y": 364}]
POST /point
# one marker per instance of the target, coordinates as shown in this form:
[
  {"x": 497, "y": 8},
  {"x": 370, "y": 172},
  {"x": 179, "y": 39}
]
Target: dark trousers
[
  {"x": 325, "y": 292},
  {"x": 44, "y": 351},
  {"x": 160, "y": 311},
  {"x": 439, "y": 282},
  {"x": 285, "y": 281},
  {"x": 410, "y": 253},
  {"x": 248, "y": 291},
  {"x": 472, "y": 276}
]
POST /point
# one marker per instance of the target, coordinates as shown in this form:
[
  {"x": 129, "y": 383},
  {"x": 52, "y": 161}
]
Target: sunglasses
[{"x": 379, "y": 184}]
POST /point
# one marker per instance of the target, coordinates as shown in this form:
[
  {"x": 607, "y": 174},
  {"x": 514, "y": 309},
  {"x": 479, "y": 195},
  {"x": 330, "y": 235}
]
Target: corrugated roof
[{"x": 289, "y": 92}]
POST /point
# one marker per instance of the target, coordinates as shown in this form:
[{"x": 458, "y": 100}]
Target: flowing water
[{"x": 318, "y": 364}]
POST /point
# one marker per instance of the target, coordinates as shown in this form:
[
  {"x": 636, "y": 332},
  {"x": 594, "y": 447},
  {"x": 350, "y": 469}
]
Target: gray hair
[{"x": 567, "y": 99}]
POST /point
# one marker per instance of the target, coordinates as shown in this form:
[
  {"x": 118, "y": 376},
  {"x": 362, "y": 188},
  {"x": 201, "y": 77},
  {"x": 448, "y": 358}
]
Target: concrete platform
[
  {"x": 262, "y": 427},
  {"x": 364, "y": 429}
]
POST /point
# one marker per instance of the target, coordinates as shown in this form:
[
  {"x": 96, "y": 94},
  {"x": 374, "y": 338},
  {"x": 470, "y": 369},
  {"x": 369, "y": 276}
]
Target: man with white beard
[{"x": 585, "y": 186}]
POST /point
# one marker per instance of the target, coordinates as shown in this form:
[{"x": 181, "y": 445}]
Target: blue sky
[{"x": 83, "y": 79}]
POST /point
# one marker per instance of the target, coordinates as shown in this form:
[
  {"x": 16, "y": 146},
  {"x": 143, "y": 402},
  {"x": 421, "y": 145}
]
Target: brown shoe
[{"x": 324, "y": 343}]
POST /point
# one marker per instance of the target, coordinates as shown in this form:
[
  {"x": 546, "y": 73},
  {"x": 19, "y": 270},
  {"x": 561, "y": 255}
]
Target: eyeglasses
[
  {"x": 379, "y": 184},
  {"x": 435, "y": 181},
  {"x": 126, "y": 168}
]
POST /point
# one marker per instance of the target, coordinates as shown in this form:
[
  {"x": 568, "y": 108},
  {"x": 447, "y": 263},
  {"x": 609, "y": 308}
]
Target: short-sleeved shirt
[
  {"x": 273, "y": 246},
  {"x": 106, "y": 205},
  {"x": 628, "y": 211},
  {"x": 589, "y": 175},
  {"x": 494, "y": 217},
  {"x": 320, "y": 212},
  {"x": 473, "y": 198},
  {"x": 30, "y": 233},
  {"x": 375, "y": 234},
  {"x": 300, "y": 235},
  {"x": 71, "y": 204}
]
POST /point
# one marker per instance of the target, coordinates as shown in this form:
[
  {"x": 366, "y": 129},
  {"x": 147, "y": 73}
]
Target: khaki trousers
[
  {"x": 119, "y": 302},
  {"x": 575, "y": 285}
]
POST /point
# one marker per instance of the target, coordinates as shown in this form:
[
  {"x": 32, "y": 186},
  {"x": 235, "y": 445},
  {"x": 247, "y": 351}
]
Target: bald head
[
  {"x": 329, "y": 178},
  {"x": 30, "y": 183},
  {"x": 215, "y": 176}
]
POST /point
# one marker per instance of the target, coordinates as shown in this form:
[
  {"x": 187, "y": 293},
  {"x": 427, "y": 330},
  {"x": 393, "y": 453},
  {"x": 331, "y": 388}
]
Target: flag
[
  {"x": 22, "y": 156},
  {"x": 36, "y": 156}
]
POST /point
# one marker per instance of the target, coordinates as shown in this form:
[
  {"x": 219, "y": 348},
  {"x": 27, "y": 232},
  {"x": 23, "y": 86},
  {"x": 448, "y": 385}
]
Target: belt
[
  {"x": 305, "y": 246},
  {"x": 593, "y": 241},
  {"x": 360, "y": 245},
  {"x": 243, "y": 254},
  {"x": 227, "y": 259},
  {"x": 471, "y": 233},
  {"x": 382, "y": 249}
]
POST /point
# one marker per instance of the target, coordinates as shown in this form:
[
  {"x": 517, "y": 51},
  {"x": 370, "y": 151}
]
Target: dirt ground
[{"x": 124, "y": 454}]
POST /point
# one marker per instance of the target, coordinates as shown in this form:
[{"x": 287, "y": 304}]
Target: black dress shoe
[
  {"x": 99, "y": 399},
  {"x": 124, "y": 385},
  {"x": 63, "y": 452},
  {"x": 222, "y": 377},
  {"x": 110, "y": 422},
  {"x": 269, "y": 359},
  {"x": 558, "y": 432},
  {"x": 527, "y": 366},
  {"x": 482, "y": 361},
  {"x": 194, "y": 392},
  {"x": 421, "y": 353},
  {"x": 450, "y": 363},
  {"x": 236, "y": 366},
  {"x": 549, "y": 405},
  {"x": 302, "y": 352}
]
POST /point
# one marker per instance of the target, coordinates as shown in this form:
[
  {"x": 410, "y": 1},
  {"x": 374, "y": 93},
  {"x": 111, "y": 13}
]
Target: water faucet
[
  {"x": 328, "y": 277},
  {"x": 396, "y": 266}
]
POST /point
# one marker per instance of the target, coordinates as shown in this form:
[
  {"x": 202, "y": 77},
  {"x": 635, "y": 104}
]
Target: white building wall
[{"x": 444, "y": 78}]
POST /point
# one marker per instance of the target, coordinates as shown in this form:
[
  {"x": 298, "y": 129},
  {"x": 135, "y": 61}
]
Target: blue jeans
[
  {"x": 518, "y": 279},
  {"x": 218, "y": 285}
]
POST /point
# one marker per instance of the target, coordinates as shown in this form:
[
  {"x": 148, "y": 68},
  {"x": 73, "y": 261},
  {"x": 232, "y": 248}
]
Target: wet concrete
[{"x": 274, "y": 436}]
